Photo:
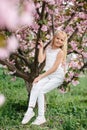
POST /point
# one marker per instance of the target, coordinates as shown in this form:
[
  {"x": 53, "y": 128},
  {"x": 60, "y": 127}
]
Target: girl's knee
[{"x": 35, "y": 87}]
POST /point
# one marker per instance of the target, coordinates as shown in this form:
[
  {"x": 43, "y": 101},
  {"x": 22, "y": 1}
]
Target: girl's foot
[
  {"x": 39, "y": 120},
  {"x": 27, "y": 117}
]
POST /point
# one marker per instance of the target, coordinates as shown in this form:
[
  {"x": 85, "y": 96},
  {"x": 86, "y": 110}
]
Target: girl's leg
[
  {"x": 37, "y": 87},
  {"x": 33, "y": 98},
  {"x": 53, "y": 83}
]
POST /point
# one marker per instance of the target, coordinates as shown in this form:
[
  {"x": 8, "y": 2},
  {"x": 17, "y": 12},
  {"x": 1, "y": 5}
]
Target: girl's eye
[{"x": 61, "y": 39}]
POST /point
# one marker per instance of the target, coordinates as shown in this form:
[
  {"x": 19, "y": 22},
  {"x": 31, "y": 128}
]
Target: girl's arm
[
  {"x": 59, "y": 60},
  {"x": 41, "y": 55}
]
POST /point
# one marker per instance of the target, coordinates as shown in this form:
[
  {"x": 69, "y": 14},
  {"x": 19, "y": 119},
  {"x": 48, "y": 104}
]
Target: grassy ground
[{"x": 64, "y": 111}]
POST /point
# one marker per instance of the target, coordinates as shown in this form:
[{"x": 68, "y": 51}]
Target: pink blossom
[
  {"x": 6, "y": 7},
  {"x": 26, "y": 19},
  {"x": 35, "y": 26},
  {"x": 25, "y": 47},
  {"x": 47, "y": 9},
  {"x": 62, "y": 19},
  {"x": 76, "y": 75},
  {"x": 32, "y": 45},
  {"x": 69, "y": 29},
  {"x": 84, "y": 44},
  {"x": 80, "y": 29},
  {"x": 48, "y": 36},
  {"x": 75, "y": 82},
  {"x": 37, "y": 16},
  {"x": 38, "y": 5},
  {"x": 4, "y": 53},
  {"x": 44, "y": 28},
  {"x": 51, "y": 11},
  {"x": 84, "y": 54},
  {"x": 56, "y": 11},
  {"x": 12, "y": 44},
  {"x": 74, "y": 64},
  {"x": 29, "y": 6},
  {"x": 10, "y": 17},
  {"x": 12, "y": 23},
  {"x": 60, "y": 27},
  {"x": 50, "y": 2},
  {"x": 49, "y": 23},
  {"x": 32, "y": 54},
  {"x": 67, "y": 79},
  {"x": 62, "y": 90},
  {"x": 18, "y": 36},
  {"x": 81, "y": 4},
  {"x": 12, "y": 62},
  {"x": 73, "y": 45},
  {"x": 82, "y": 15},
  {"x": 71, "y": 74},
  {"x": 58, "y": 2},
  {"x": 79, "y": 50},
  {"x": 21, "y": 47}
]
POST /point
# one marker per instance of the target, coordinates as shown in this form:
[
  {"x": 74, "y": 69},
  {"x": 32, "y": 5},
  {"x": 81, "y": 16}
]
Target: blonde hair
[{"x": 64, "y": 47}]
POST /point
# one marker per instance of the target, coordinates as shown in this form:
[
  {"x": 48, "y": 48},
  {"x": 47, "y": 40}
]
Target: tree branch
[
  {"x": 38, "y": 37},
  {"x": 13, "y": 68},
  {"x": 68, "y": 21},
  {"x": 22, "y": 58},
  {"x": 52, "y": 18},
  {"x": 73, "y": 34}
]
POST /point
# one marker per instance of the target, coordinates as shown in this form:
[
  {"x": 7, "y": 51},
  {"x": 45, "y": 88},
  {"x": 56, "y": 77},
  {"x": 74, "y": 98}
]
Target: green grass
[{"x": 64, "y": 111}]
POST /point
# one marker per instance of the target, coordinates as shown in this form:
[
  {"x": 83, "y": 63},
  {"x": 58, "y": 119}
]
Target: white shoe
[
  {"x": 27, "y": 117},
  {"x": 39, "y": 120}
]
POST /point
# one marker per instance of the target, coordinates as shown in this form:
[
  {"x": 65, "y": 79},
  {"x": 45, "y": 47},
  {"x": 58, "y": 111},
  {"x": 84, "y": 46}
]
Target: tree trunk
[{"x": 28, "y": 87}]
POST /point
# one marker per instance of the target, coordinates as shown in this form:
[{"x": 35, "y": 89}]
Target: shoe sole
[
  {"x": 39, "y": 124},
  {"x": 28, "y": 120}
]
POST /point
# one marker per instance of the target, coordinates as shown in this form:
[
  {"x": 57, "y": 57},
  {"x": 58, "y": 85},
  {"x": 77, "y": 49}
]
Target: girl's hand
[
  {"x": 41, "y": 44},
  {"x": 37, "y": 79}
]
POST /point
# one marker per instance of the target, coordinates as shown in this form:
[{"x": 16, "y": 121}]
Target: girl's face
[{"x": 58, "y": 40}]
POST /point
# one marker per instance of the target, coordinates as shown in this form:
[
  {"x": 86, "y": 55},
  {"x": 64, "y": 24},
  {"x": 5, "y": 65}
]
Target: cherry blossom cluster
[{"x": 13, "y": 15}]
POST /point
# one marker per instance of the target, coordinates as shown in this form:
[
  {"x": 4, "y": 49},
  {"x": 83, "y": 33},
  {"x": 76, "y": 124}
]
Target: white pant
[{"x": 40, "y": 88}]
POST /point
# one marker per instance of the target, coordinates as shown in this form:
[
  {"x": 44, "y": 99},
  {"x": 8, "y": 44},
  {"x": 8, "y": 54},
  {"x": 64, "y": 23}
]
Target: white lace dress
[{"x": 51, "y": 55}]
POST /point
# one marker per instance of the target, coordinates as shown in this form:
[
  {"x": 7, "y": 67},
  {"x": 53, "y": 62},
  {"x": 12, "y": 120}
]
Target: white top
[{"x": 51, "y": 55}]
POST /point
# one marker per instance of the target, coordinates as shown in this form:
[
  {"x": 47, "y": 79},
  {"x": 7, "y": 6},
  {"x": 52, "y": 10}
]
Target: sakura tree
[{"x": 31, "y": 21}]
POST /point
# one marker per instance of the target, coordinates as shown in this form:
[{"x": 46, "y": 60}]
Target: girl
[{"x": 55, "y": 56}]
